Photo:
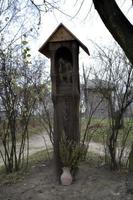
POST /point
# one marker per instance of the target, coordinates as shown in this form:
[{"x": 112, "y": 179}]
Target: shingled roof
[{"x": 61, "y": 33}]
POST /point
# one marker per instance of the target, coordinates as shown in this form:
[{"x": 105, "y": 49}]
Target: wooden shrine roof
[{"x": 61, "y": 33}]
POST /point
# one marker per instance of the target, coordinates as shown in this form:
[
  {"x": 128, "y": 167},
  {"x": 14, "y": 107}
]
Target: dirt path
[{"x": 38, "y": 142}]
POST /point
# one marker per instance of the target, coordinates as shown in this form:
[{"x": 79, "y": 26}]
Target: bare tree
[
  {"x": 44, "y": 107},
  {"x": 17, "y": 99},
  {"x": 118, "y": 73},
  {"x": 92, "y": 103},
  {"x": 18, "y": 80},
  {"x": 18, "y": 12}
]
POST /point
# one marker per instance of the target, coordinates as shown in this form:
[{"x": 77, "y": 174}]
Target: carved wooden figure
[{"x": 62, "y": 47}]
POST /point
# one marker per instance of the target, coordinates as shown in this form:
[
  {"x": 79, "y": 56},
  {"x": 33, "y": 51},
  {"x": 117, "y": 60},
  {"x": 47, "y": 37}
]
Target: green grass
[
  {"x": 98, "y": 130},
  {"x": 40, "y": 156}
]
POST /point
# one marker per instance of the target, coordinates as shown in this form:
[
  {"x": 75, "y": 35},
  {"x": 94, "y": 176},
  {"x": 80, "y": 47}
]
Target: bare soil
[{"x": 92, "y": 183}]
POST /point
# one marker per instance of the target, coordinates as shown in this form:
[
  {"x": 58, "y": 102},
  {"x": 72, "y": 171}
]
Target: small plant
[{"x": 71, "y": 153}]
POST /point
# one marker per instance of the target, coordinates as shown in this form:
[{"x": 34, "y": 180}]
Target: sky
[{"x": 85, "y": 24}]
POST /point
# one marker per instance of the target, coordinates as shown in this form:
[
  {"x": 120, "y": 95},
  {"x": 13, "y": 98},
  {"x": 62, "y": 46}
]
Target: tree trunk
[
  {"x": 131, "y": 160},
  {"x": 112, "y": 150},
  {"x": 118, "y": 25}
]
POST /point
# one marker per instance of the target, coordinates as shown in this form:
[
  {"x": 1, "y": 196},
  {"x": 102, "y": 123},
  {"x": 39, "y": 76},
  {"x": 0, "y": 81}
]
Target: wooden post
[{"x": 62, "y": 47}]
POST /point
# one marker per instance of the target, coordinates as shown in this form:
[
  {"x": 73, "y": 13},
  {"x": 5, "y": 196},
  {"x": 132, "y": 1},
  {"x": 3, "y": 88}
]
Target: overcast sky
[{"x": 87, "y": 26}]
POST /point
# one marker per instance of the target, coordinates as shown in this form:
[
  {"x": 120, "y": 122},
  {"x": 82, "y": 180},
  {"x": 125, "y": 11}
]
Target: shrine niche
[
  {"x": 62, "y": 47},
  {"x": 63, "y": 58}
]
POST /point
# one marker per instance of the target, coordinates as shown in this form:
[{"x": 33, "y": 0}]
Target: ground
[{"x": 92, "y": 183}]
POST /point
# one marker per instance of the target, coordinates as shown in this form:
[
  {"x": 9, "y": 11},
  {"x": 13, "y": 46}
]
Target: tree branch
[{"x": 118, "y": 25}]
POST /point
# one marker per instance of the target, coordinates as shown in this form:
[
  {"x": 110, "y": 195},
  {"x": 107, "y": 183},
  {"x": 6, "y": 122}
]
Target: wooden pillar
[
  {"x": 65, "y": 93},
  {"x": 62, "y": 47}
]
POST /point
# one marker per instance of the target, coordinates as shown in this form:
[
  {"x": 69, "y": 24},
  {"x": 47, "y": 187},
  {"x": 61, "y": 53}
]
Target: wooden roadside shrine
[{"x": 62, "y": 47}]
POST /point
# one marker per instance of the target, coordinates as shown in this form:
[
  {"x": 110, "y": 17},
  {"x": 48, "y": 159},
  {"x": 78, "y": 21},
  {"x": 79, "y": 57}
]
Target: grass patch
[
  {"x": 94, "y": 159},
  {"x": 40, "y": 156},
  {"x": 19, "y": 176},
  {"x": 99, "y": 128}
]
